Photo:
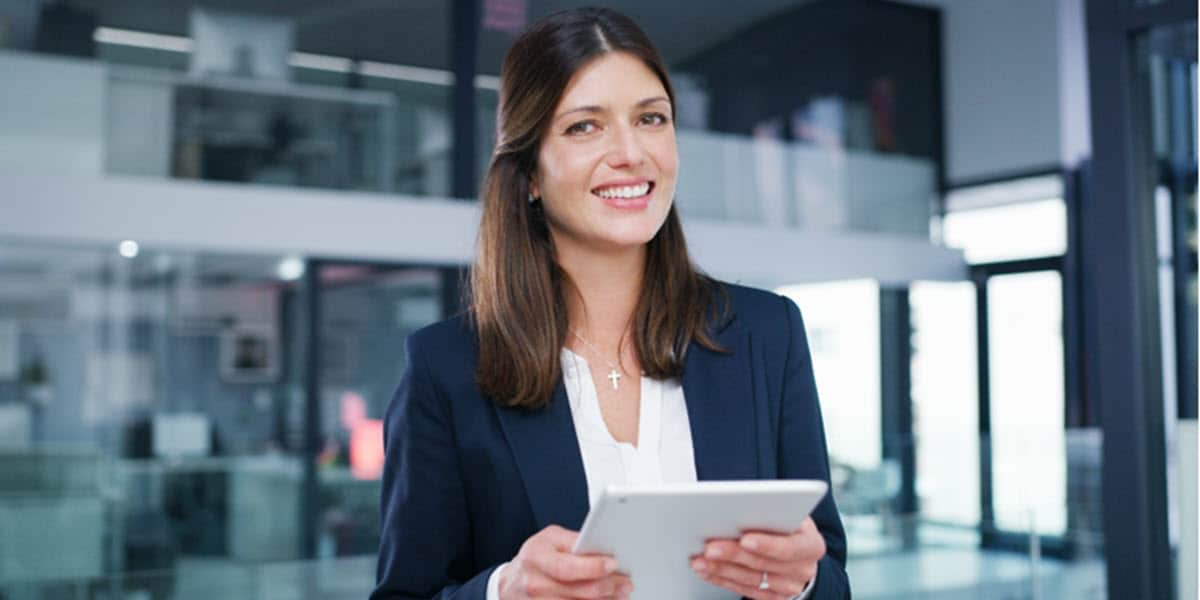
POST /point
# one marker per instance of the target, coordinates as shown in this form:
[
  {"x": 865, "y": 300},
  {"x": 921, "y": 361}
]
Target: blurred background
[{"x": 219, "y": 220}]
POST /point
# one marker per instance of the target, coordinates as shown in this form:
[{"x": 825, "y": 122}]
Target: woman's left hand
[{"x": 789, "y": 562}]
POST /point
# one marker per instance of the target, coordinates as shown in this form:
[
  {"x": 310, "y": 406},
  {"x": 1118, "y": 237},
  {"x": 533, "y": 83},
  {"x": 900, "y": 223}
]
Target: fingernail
[
  {"x": 626, "y": 588},
  {"x": 750, "y": 543},
  {"x": 610, "y": 565},
  {"x": 714, "y": 552},
  {"x": 699, "y": 565}
]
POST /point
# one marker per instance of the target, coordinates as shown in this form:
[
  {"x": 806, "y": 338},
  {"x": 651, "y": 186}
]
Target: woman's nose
[{"x": 627, "y": 150}]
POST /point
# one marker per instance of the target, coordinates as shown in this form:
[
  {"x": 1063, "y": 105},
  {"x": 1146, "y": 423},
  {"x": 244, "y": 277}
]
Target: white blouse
[
  {"x": 664, "y": 445},
  {"x": 664, "y": 452}
]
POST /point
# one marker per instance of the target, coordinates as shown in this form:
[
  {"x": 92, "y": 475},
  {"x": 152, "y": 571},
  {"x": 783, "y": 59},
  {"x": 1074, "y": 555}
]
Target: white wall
[
  {"x": 1188, "y": 558},
  {"x": 1015, "y": 85},
  {"x": 51, "y": 114},
  {"x": 1001, "y": 86}
]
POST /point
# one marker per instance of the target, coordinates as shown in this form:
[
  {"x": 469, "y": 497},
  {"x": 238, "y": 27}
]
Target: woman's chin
[{"x": 630, "y": 235}]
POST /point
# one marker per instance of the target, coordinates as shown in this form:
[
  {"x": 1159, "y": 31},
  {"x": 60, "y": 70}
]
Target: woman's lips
[{"x": 635, "y": 203}]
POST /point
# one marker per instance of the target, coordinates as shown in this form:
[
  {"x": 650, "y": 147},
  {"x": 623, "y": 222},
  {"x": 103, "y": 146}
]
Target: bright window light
[
  {"x": 1008, "y": 232},
  {"x": 1029, "y": 451},
  {"x": 842, "y": 322},
  {"x": 945, "y": 397}
]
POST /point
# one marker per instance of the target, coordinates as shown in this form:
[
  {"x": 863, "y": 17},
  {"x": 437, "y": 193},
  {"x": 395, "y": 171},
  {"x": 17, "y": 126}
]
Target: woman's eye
[
  {"x": 581, "y": 127},
  {"x": 655, "y": 118}
]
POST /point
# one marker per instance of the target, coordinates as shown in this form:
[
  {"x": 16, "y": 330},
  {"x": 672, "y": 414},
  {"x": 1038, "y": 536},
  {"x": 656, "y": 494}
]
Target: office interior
[{"x": 219, "y": 220}]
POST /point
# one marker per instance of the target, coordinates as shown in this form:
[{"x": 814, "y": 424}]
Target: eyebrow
[{"x": 595, "y": 109}]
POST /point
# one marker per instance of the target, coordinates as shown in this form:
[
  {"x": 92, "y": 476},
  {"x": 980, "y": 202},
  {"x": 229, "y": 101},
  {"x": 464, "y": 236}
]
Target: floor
[{"x": 927, "y": 572}]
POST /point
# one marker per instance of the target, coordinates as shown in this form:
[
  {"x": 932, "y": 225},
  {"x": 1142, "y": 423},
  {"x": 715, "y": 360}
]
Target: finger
[
  {"x": 811, "y": 538},
  {"x": 732, "y": 551},
  {"x": 613, "y": 586},
  {"x": 748, "y": 591},
  {"x": 539, "y": 585},
  {"x": 564, "y": 567},
  {"x": 559, "y": 538},
  {"x": 808, "y": 525},
  {"x": 806, "y": 544},
  {"x": 780, "y": 582}
]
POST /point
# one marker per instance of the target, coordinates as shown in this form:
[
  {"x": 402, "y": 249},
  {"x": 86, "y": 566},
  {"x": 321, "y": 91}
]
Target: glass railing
[
  {"x": 786, "y": 184},
  {"x": 170, "y": 124}
]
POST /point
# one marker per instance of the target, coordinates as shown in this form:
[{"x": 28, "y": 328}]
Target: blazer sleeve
[
  {"x": 803, "y": 455},
  {"x": 424, "y": 548}
]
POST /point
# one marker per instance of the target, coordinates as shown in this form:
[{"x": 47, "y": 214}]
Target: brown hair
[{"x": 517, "y": 302}]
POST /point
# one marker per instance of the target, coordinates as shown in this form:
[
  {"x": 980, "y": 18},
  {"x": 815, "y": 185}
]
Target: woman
[{"x": 593, "y": 353}]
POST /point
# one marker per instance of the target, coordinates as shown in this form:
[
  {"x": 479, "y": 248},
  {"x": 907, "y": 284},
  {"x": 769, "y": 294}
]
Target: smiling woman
[
  {"x": 611, "y": 142},
  {"x": 498, "y": 437},
  {"x": 584, "y": 125}
]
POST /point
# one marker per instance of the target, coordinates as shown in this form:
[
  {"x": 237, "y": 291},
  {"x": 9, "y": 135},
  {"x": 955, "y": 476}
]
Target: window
[
  {"x": 945, "y": 396},
  {"x": 842, "y": 320}
]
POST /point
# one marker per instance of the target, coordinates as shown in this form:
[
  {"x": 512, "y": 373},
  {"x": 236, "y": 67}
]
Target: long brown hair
[{"x": 517, "y": 302}]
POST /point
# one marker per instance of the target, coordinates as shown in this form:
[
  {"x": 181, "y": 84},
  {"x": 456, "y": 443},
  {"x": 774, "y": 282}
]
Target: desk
[{"x": 52, "y": 516}]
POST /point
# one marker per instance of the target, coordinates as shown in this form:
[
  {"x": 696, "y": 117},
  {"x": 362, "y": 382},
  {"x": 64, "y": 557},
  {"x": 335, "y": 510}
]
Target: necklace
[{"x": 614, "y": 373}]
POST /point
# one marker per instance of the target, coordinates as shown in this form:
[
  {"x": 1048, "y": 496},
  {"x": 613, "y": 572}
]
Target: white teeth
[{"x": 625, "y": 191}]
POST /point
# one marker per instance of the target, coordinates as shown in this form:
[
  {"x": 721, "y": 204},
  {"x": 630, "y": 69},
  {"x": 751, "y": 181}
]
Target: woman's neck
[{"x": 605, "y": 294}]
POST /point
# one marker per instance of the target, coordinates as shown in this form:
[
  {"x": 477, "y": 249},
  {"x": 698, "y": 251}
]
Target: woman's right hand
[{"x": 545, "y": 568}]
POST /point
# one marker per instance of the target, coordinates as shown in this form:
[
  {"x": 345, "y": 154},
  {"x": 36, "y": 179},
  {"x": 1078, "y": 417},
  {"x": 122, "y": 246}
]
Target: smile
[{"x": 625, "y": 192}]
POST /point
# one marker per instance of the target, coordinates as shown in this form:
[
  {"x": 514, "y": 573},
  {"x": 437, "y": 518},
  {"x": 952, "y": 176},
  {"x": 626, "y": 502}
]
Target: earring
[{"x": 531, "y": 198}]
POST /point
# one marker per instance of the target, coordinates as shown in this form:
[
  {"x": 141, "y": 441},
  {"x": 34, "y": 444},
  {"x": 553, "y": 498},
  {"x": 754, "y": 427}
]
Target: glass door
[{"x": 364, "y": 312}]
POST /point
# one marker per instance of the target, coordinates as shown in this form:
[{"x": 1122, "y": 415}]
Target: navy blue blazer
[{"x": 466, "y": 481}]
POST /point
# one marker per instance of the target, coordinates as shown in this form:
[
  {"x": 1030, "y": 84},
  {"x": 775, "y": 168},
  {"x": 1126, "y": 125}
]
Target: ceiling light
[
  {"x": 406, "y": 73},
  {"x": 290, "y": 268},
  {"x": 304, "y": 60},
  {"x": 128, "y": 248},
  {"x": 320, "y": 62},
  {"x": 141, "y": 39}
]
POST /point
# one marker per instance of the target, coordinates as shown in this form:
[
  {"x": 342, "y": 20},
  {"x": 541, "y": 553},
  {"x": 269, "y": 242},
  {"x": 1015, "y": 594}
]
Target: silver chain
[{"x": 615, "y": 373}]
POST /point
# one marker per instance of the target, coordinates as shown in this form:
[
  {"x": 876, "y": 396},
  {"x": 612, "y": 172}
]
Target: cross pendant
[{"x": 615, "y": 377}]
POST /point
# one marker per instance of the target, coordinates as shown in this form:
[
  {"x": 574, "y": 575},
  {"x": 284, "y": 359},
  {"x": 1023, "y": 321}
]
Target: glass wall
[
  {"x": 1040, "y": 448},
  {"x": 151, "y": 413},
  {"x": 366, "y": 312},
  {"x": 155, "y": 421}
]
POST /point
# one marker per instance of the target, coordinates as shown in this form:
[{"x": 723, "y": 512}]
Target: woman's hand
[
  {"x": 790, "y": 562},
  {"x": 545, "y": 568}
]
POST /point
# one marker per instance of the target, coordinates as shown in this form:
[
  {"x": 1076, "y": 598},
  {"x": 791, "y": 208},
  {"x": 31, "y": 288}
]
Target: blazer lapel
[
  {"x": 547, "y": 454},
  {"x": 719, "y": 391}
]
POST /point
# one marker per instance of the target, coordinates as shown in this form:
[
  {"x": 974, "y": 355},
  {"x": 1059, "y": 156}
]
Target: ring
[{"x": 764, "y": 585}]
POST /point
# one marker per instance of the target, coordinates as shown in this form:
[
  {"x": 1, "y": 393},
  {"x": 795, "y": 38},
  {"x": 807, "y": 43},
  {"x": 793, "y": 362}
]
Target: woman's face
[{"x": 606, "y": 167}]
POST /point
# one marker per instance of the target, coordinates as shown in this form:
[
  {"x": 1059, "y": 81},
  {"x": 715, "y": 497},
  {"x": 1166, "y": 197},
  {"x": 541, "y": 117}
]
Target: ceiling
[{"x": 416, "y": 32}]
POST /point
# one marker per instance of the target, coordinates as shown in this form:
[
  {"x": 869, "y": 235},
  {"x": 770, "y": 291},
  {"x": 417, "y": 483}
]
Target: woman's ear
[{"x": 533, "y": 188}]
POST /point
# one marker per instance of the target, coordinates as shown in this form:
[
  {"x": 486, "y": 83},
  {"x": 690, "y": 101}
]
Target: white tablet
[{"x": 653, "y": 531}]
